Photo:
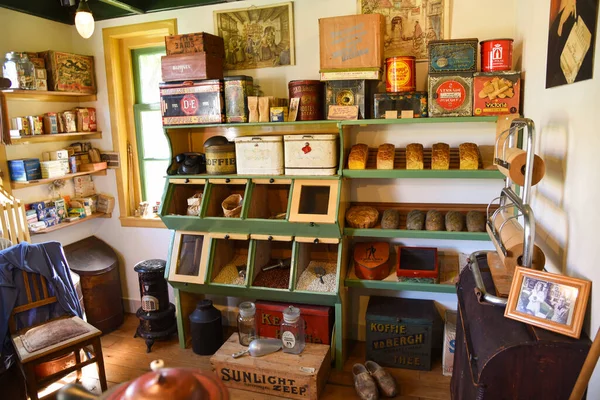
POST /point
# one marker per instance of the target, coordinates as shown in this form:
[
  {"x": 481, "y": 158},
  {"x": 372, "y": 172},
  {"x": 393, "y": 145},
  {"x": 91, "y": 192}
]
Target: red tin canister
[
  {"x": 400, "y": 74},
  {"x": 311, "y": 99},
  {"x": 496, "y": 55}
]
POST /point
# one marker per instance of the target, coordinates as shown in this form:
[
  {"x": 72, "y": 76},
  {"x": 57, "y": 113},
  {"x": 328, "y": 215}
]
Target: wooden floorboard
[{"x": 125, "y": 358}]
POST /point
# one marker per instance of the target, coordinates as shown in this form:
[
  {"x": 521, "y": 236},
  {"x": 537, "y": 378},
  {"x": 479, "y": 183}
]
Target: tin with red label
[
  {"x": 400, "y": 74},
  {"x": 496, "y": 55},
  {"x": 311, "y": 99},
  {"x": 450, "y": 95},
  {"x": 496, "y": 93},
  {"x": 192, "y": 102}
]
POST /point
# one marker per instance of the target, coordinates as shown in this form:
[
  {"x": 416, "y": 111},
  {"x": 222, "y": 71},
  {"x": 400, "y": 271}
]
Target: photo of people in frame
[{"x": 547, "y": 300}]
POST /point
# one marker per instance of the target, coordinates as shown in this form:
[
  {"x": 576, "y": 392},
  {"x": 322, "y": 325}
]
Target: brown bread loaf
[
  {"x": 475, "y": 221},
  {"x": 434, "y": 221},
  {"x": 358, "y": 156},
  {"x": 440, "y": 156},
  {"x": 385, "y": 156},
  {"x": 414, "y": 156},
  {"x": 455, "y": 221},
  {"x": 469, "y": 156},
  {"x": 390, "y": 219},
  {"x": 415, "y": 220},
  {"x": 362, "y": 217}
]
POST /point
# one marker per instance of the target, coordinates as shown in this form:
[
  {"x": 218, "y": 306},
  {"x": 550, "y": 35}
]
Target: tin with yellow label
[{"x": 400, "y": 74}]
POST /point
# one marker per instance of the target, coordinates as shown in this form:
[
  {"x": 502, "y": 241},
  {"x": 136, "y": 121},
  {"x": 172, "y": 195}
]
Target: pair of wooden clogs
[{"x": 371, "y": 376}]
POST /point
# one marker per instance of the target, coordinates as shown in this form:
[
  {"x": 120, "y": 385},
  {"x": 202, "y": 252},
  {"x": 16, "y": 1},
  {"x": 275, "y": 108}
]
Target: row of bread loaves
[{"x": 440, "y": 156}]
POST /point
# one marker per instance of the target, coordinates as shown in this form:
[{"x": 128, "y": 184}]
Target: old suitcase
[
  {"x": 403, "y": 333},
  {"x": 499, "y": 358}
]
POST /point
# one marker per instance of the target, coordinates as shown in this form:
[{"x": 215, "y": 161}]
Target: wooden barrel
[{"x": 97, "y": 265}]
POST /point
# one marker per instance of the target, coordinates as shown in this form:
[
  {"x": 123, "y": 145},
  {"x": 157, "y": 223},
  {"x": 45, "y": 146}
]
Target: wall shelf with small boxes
[
  {"x": 57, "y": 137},
  {"x": 22, "y": 185},
  {"x": 72, "y": 223},
  {"x": 45, "y": 95}
]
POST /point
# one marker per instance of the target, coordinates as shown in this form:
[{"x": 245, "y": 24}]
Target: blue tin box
[
  {"x": 26, "y": 169},
  {"x": 449, "y": 56}
]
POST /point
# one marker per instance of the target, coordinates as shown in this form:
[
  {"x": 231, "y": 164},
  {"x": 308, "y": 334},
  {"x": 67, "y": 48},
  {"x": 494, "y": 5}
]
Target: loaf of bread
[
  {"x": 440, "y": 156},
  {"x": 385, "y": 156},
  {"x": 362, "y": 217},
  {"x": 358, "y": 156},
  {"x": 415, "y": 220},
  {"x": 390, "y": 219},
  {"x": 414, "y": 156},
  {"x": 469, "y": 156},
  {"x": 455, "y": 221},
  {"x": 434, "y": 221},
  {"x": 475, "y": 221}
]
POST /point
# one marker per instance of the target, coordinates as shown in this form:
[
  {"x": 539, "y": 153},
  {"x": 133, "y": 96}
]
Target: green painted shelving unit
[
  {"x": 404, "y": 233},
  {"x": 388, "y": 285},
  {"x": 422, "y": 174}
]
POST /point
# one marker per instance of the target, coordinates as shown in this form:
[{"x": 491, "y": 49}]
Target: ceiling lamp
[{"x": 84, "y": 20}]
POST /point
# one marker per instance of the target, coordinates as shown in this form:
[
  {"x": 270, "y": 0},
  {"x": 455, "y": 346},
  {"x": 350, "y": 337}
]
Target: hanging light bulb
[{"x": 84, "y": 20}]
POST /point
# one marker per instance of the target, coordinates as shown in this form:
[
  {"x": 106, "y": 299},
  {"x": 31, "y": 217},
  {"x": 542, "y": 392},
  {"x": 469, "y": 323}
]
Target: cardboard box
[
  {"x": 496, "y": 93},
  {"x": 26, "y": 169},
  {"x": 55, "y": 155},
  {"x": 352, "y": 41},
  {"x": 195, "y": 43},
  {"x": 318, "y": 320},
  {"x": 278, "y": 374},
  {"x": 449, "y": 343},
  {"x": 191, "y": 67},
  {"x": 69, "y": 72},
  {"x": 106, "y": 203}
]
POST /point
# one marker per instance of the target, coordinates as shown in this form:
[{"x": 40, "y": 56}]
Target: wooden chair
[
  {"x": 13, "y": 221},
  {"x": 55, "y": 338}
]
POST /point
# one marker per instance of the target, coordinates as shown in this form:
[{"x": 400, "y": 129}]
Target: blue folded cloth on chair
[{"x": 48, "y": 260}]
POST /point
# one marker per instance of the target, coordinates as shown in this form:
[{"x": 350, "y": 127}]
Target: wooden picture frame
[
  {"x": 257, "y": 37},
  {"x": 550, "y": 301}
]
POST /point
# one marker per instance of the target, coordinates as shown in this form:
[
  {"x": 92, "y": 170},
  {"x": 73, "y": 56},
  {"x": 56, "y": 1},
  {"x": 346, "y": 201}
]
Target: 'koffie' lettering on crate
[{"x": 269, "y": 382}]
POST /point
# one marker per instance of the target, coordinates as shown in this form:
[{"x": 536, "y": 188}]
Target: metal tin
[
  {"x": 36, "y": 123},
  {"x": 496, "y": 93},
  {"x": 50, "y": 123},
  {"x": 400, "y": 74},
  {"x": 415, "y": 101},
  {"x": 496, "y": 55},
  {"x": 237, "y": 89},
  {"x": 192, "y": 102},
  {"x": 402, "y": 333},
  {"x": 256, "y": 155},
  {"x": 456, "y": 55},
  {"x": 450, "y": 95},
  {"x": 70, "y": 121},
  {"x": 220, "y": 159},
  {"x": 311, "y": 99},
  {"x": 351, "y": 93},
  {"x": 310, "y": 154},
  {"x": 371, "y": 260}
]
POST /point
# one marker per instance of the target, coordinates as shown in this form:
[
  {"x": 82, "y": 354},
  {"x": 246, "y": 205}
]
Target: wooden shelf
[
  {"x": 57, "y": 137},
  {"x": 236, "y": 176},
  {"x": 424, "y": 173},
  {"x": 397, "y": 286},
  {"x": 434, "y": 120},
  {"x": 22, "y": 185},
  {"x": 42, "y": 95},
  {"x": 68, "y": 224}
]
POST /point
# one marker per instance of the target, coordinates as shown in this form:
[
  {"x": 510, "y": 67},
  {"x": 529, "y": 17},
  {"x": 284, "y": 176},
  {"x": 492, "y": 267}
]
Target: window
[
  {"x": 132, "y": 60},
  {"x": 152, "y": 145}
]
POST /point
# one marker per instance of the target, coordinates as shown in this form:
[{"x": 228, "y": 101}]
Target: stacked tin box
[
  {"x": 192, "y": 72},
  {"x": 351, "y": 70},
  {"x": 452, "y": 64}
]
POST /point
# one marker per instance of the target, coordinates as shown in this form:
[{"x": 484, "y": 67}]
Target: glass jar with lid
[
  {"x": 247, "y": 329},
  {"x": 10, "y": 70},
  {"x": 292, "y": 331},
  {"x": 26, "y": 71}
]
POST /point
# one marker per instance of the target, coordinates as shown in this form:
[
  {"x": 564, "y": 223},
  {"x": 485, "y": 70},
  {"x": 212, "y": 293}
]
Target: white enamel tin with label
[
  {"x": 310, "y": 154},
  {"x": 259, "y": 155}
]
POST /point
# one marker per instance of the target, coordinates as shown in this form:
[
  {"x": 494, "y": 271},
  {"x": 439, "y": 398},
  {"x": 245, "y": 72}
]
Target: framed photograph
[
  {"x": 410, "y": 25},
  {"x": 257, "y": 37},
  {"x": 550, "y": 301}
]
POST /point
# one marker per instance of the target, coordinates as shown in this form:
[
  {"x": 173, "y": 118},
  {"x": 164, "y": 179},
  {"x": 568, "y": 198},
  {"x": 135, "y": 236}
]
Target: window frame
[{"x": 118, "y": 43}]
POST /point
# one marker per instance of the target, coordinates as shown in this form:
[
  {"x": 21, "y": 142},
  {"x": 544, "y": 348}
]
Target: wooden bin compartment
[
  {"x": 269, "y": 199},
  {"x": 188, "y": 262},
  {"x": 182, "y": 189},
  {"x": 228, "y": 259},
  {"x": 312, "y": 254},
  {"x": 314, "y": 201},
  {"x": 219, "y": 190},
  {"x": 268, "y": 251}
]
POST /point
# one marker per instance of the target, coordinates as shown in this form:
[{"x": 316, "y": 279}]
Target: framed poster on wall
[{"x": 410, "y": 25}]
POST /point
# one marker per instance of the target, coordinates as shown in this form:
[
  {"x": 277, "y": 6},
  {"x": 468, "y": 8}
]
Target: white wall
[{"x": 567, "y": 122}]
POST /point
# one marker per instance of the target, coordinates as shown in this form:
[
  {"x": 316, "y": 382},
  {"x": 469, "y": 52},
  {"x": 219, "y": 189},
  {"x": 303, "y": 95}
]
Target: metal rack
[{"x": 509, "y": 199}]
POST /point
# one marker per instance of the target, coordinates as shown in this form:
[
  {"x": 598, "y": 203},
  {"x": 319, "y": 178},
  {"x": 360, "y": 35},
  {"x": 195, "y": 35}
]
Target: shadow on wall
[{"x": 552, "y": 225}]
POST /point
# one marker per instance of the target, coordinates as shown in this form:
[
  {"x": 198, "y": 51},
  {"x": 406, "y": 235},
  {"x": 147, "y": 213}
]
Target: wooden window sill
[{"x": 139, "y": 222}]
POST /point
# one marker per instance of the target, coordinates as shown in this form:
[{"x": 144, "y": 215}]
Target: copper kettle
[{"x": 161, "y": 383}]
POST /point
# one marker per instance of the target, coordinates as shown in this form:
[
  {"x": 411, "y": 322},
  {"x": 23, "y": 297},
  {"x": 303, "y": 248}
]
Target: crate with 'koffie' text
[
  {"x": 403, "y": 333},
  {"x": 278, "y": 374}
]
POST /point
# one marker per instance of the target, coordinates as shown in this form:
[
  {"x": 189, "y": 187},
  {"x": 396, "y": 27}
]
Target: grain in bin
[{"x": 403, "y": 333}]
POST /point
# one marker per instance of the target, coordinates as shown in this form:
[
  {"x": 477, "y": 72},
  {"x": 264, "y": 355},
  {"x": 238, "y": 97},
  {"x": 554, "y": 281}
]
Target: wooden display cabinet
[
  {"x": 188, "y": 261},
  {"x": 227, "y": 252},
  {"x": 311, "y": 253},
  {"x": 268, "y": 251},
  {"x": 269, "y": 199},
  {"x": 218, "y": 191},
  {"x": 315, "y": 201}
]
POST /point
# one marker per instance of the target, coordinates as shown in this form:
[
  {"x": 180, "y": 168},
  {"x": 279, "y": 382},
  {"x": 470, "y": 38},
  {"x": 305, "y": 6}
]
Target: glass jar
[
  {"x": 9, "y": 69},
  {"x": 26, "y": 71},
  {"x": 292, "y": 331},
  {"x": 247, "y": 329}
]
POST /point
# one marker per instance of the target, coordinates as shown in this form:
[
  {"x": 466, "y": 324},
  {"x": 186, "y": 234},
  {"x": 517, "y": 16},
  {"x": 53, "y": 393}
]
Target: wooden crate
[
  {"x": 352, "y": 41},
  {"x": 195, "y": 43},
  {"x": 279, "y": 374},
  {"x": 191, "y": 67}
]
